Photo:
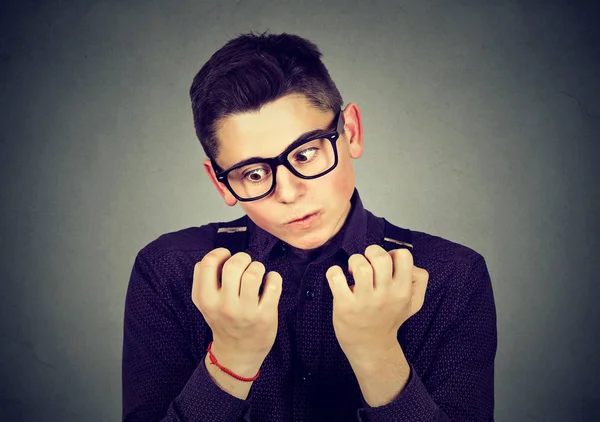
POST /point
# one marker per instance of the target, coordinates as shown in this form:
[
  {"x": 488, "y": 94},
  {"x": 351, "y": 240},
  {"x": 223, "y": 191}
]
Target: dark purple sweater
[{"x": 450, "y": 343}]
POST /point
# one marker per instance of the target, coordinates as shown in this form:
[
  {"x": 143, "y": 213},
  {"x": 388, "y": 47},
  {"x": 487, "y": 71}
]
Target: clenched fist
[
  {"x": 388, "y": 290},
  {"x": 226, "y": 291}
]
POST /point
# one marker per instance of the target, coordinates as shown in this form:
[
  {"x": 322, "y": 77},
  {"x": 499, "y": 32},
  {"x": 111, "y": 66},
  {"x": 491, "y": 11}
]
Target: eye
[
  {"x": 306, "y": 155},
  {"x": 256, "y": 175}
]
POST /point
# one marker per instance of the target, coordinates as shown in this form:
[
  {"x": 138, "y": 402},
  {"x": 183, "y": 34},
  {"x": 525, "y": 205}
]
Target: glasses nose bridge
[
  {"x": 280, "y": 160},
  {"x": 290, "y": 185}
]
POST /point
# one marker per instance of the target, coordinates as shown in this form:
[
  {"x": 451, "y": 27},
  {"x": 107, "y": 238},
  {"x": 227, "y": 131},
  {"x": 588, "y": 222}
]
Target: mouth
[{"x": 306, "y": 217}]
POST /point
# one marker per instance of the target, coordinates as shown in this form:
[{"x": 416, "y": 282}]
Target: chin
[
  {"x": 310, "y": 241},
  {"x": 309, "y": 245}
]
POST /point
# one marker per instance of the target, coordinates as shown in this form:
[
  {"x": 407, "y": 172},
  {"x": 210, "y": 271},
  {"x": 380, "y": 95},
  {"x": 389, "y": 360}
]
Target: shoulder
[
  {"x": 455, "y": 270},
  {"x": 434, "y": 248},
  {"x": 184, "y": 241},
  {"x": 181, "y": 248},
  {"x": 451, "y": 265},
  {"x": 167, "y": 262},
  {"x": 429, "y": 248}
]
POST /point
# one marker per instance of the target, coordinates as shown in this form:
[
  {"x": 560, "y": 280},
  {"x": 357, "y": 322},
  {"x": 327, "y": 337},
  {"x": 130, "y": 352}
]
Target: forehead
[{"x": 268, "y": 132}]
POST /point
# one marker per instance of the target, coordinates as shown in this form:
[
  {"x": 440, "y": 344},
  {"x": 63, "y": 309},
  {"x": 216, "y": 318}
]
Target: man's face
[{"x": 267, "y": 134}]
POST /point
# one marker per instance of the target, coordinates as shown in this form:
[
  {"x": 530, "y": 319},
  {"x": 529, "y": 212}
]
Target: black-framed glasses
[{"x": 306, "y": 158}]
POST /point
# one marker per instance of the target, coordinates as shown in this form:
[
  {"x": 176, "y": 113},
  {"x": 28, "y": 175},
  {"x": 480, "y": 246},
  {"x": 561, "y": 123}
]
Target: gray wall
[{"x": 481, "y": 124}]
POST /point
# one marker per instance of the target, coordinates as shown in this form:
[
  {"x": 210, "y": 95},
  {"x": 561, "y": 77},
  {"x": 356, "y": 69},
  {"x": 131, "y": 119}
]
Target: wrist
[
  {"x": 241, "y": 364},
  {"x": 373, "y": 354}
]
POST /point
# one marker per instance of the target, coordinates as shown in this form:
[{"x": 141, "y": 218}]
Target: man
[{"x": 309, "y": 307}]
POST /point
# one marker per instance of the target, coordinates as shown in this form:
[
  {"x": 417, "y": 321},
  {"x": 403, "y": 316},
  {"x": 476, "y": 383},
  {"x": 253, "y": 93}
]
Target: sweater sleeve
[
  {"x": 461, "y": 384},
  {"x": 160, "y": 379}
]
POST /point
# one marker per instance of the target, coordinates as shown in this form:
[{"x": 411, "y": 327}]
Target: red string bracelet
[{"x": 213, "y": 360}]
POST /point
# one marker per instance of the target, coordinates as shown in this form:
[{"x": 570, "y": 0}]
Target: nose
[{"x": 288, "y": 187}]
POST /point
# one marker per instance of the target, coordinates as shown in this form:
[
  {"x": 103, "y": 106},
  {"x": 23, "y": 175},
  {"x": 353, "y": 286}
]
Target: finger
[
  {"x": 419, "y": 287},
  {"x": 271, "y": 293},
  {"x": 207, "y": 276},
  {"x": 382, "y": 265},
  {"x": 402, "y": 271},
  {"x": 338, "y": 283},
  {"x": 231, "y": 278},
  {"x": 251, "y": 281},
  {"x": 362, "y": 271}
]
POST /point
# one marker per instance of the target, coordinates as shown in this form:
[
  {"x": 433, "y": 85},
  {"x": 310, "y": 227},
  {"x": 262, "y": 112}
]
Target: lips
[{"x": 302, "y": 218}]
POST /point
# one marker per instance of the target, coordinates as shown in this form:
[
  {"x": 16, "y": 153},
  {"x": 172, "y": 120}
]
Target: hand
[
  {"x": 388, "y": 290},
  {"x": 226, "y": 291}
]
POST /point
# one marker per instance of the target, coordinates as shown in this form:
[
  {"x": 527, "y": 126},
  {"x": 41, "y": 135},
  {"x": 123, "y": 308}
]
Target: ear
[
  {"x": 221, "y": 188},
  {"x": 353, "y": 130}
]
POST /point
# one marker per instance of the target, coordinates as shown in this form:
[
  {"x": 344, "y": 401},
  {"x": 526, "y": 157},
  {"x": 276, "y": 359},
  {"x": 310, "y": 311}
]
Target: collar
[{"x": 352, "y": 237}]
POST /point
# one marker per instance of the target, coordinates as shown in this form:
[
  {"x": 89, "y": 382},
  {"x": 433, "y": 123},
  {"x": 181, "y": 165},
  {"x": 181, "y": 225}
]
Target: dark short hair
[{"x": 255, "y": 69}]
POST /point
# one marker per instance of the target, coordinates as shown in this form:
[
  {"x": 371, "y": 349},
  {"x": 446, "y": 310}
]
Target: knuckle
[
  {"x": 275, "y": 276},
  {"x": 242, "y": 257},
  {"x": 237, "y": 262},
  {"x": 332, "y": 271},
  {"x": 208, "y": 261},
  {"x": 402, "y": 255},
  {"x": 218, "y": 253},
  {"x": 364, "y": 269},
  {"x": 382, "y": 258},
  {"x": 227, "y": 266},
  {"x": 212, "y": 258},
  {"x": 355, "y": 259},
  {"x": 374, "y": 250},
  {"x": 230, "y": 265},
  {"x": 256, "y": 269},
  {"x": 260, "y": 267},
  {"x": 250, "y": 275}
]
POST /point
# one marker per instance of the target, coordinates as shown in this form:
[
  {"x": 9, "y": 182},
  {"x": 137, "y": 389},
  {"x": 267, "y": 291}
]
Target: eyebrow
[{"x": 300, "y": 139}]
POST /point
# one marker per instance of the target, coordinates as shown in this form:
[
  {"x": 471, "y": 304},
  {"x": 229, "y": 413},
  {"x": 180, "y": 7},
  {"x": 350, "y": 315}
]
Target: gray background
[{"x": 481, "y": 124}]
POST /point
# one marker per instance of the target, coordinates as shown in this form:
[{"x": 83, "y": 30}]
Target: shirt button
[
  {"x": 283, "y": 246},
  {"x": 309, "y": 294},
  {"x": 306, "y": 376}
]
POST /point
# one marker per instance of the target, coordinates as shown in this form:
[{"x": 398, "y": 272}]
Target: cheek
[
  {"x": 263, "y": 216},
  {"x": 256, "y": 213},
  {"x": 342, "y": 183}
]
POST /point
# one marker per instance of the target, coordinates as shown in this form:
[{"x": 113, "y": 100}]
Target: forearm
[
  {"x": 154, "y": 395},
  {"x": 381, "y": 374},
  {"x": 202, "y": 400},
  {"x": 392, "y": 390}
]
